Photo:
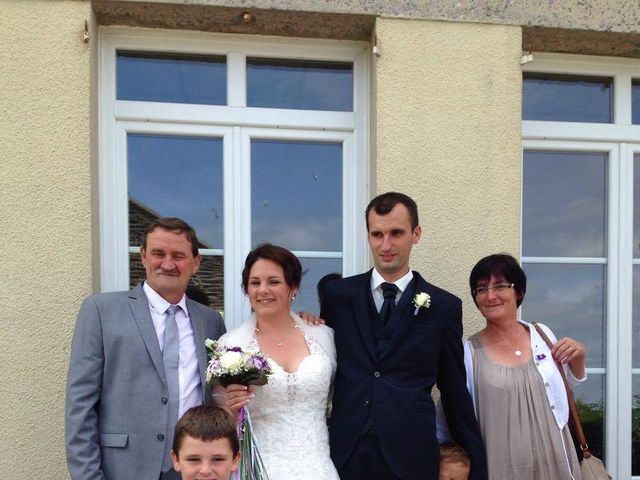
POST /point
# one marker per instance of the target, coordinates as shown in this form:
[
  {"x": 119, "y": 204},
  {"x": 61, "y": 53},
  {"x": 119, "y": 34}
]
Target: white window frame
[
  {"x": 236, "y": 124},
  {"x": 620, "y": 140}
]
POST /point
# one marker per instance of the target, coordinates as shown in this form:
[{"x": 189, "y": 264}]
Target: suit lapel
[
  {"x": 402, "y": 316},
  {"x": 197, "y": 323},
  {"x": 140, "y": 309},
  {"x": 362, "y": 311}
]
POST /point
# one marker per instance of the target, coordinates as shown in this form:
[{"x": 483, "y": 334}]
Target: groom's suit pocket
[{"x": 425, "y": 406}]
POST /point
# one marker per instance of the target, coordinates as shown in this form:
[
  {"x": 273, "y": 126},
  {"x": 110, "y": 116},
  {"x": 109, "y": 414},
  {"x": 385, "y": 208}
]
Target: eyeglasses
[{"x": 498, "y": 287}]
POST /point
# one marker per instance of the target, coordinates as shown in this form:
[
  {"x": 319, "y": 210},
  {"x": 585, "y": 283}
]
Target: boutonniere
[{"x": 421, "y": 300}]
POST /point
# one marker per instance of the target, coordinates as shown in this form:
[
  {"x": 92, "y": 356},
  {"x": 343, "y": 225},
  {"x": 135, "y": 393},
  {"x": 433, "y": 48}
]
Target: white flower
[
  {"x": 421, "y": 300},
  {"x": 210, "y": 344},
  {"x": 231, "y": 360}
]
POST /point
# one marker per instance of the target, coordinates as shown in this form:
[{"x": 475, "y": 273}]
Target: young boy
[
  {"x": 205, "y": 444},
  {"x": 455, "y": 463}
]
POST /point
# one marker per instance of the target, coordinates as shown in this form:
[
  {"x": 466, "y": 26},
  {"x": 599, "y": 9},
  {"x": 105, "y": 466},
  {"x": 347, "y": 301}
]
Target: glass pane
[
  {"x": 635, "y": 102},
  {"x": 636, "y": 318},
  {"x": 296, "y": 194},
  {"x": 570, "y": 299},
  {"x": 174, "y": 78},
  {"x": 589, "y": 398},
  {"x": 313, "y": 269},
  {"x": 564, "y": 204},
  {"x": 636, "y": 205},
  {"x": 567, "y": 98},
  {"x": 206, "y": 286},
  {"x": 172, "y": 176},
  {"x": 635, "y": 426},
  {"x": 300, "y": 84}
]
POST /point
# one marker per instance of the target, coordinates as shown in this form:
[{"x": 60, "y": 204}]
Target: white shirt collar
[
  {"x": 402, "y": 283},
  {"x": 159, "y": 304}
]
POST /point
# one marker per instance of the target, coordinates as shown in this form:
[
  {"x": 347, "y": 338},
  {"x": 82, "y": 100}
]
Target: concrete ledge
[
  {"x": 595, "y": 15},
  {"x": 582, "y": 42},
  {"x": 208, "y": 18}
]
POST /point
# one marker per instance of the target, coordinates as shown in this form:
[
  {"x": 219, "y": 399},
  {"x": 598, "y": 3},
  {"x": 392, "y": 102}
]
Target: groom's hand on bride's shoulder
[
  {"x": 232, "y": 397},
  {"x": 311, "y": 319}
]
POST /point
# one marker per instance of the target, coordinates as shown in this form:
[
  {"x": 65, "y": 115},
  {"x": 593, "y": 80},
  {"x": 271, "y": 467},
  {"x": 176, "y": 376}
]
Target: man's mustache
[{"x": 162, "y": 271}]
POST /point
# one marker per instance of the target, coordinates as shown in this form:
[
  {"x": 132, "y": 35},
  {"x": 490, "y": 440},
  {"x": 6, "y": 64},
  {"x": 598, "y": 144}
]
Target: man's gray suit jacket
[{"x": 116, "y": 409}]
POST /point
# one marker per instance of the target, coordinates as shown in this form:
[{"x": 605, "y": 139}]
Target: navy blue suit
[{"x": 385, "y": 375}]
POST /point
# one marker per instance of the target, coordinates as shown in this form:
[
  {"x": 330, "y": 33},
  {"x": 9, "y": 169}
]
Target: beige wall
[
  {"x": 448, "y": 134},
  {"x": 45, "y": 226}
]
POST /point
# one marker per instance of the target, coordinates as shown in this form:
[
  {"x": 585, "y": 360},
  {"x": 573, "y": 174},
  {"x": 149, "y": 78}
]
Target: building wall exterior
[
  {"x": 45, "y": 227},
  {"x": 446, "y": 129},
  {"x": 448, "y": 134}
]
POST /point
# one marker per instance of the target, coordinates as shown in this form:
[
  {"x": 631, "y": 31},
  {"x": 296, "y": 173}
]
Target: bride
[{"x": 289, "y": 413}]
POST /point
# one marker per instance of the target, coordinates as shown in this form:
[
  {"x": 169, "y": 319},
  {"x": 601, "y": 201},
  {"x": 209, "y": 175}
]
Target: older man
[{"x": 138, "y": 363}]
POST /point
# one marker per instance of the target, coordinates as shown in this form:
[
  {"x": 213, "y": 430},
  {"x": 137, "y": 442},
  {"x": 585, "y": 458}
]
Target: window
[
  {"x": 635, "y": 95},
  {"x": 567, "y": 98},
  {"x": 581, "y": 233},
  {"x": 248, "y": 141}
]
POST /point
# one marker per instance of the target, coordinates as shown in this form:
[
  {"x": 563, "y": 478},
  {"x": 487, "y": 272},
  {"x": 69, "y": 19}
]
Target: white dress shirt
[
  {"x": 376, "y": 290},
  {"x": 188, "y": 374}
]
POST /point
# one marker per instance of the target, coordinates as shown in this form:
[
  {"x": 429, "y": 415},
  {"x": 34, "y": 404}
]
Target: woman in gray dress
[{"x": 520, "y": 398}]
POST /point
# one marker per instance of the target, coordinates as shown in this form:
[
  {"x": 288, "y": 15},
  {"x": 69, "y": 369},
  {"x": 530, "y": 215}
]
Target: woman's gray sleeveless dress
[{"x": 517, "y": 423}]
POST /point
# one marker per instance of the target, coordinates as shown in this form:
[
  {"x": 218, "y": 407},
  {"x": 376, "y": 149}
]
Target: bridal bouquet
[{"x": 233, "y": 365}]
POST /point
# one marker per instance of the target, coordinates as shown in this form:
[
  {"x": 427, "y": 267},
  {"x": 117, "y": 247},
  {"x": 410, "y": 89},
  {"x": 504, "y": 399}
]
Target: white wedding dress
[
  {"x": 289, "y": 418},
  {"x": 288, "y": 414}
]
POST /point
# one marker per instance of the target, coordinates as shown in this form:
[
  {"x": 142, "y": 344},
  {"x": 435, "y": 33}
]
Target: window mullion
[
  {"x": 619, "y": 424},
  {"x": 236, "y": 79},
  {"x": 233, "y": 227},
  {"x": 622, "y": 99},
  {"x": 612, "y": 312}
]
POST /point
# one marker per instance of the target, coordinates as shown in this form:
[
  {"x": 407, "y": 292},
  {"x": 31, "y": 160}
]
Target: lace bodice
[{"x": 289, "y": 422}]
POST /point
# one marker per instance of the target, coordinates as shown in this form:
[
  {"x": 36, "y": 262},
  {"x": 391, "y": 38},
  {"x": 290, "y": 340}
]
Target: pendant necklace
[
  {"x": 279, "y": 343},
  {"x": 516, "y": 350}
]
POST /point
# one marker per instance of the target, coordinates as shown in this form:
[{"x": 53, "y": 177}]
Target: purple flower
[
  {"x": 234, "y": 349},
  {"x": 259, "y": 362},
  {"x": 541, "y": 356}
]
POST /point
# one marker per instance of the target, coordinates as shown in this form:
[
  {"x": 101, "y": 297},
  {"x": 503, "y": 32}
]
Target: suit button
[
  {"x": 376, "y": 374},
  {"x": 367, "y": 403},
  {"x": 160, "y": 437},
  {"x": 165, "y": 400}
]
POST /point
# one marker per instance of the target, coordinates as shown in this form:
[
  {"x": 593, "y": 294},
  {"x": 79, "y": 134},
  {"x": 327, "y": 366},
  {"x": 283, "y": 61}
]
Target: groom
[{"x": 390, "y": 354}]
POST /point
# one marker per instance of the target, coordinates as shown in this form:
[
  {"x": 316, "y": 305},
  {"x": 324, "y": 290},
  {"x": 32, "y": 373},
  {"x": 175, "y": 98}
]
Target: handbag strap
[{"x": 573, "y": 410}]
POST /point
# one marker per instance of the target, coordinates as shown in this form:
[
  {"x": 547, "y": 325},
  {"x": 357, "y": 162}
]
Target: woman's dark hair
[
  {"x": 290, "y": 264},
  {"x": 499, "y": 265}
]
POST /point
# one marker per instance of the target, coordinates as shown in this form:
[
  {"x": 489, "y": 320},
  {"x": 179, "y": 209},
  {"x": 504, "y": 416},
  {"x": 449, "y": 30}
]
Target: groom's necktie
[
  {"x": 389, "y": 292},
  {"x": 171, "y": 361}
]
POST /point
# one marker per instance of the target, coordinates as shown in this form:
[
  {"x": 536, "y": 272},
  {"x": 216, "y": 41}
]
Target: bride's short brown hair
[{"x": 290, "y": 264}]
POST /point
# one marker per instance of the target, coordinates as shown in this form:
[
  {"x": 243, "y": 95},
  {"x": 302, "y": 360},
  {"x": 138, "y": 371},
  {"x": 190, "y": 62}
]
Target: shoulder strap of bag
[{"x": 573, "y": 410}]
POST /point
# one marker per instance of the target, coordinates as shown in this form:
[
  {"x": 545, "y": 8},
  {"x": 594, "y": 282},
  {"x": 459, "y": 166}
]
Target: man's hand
[
  {"x": 311, "y": 319},
  {"x": 233, "y": 397}
]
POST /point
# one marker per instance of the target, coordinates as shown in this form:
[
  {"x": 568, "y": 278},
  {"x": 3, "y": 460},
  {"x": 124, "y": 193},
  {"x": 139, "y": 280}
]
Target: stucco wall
[
  {"x": 448, "y": 134},
  {"x": 45, "y": 226}
]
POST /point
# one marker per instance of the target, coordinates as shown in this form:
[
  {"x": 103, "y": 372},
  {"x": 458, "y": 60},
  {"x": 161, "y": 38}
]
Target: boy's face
[
  {"x": 454, "y": 471},
  {"x": 205, "y": 460}
]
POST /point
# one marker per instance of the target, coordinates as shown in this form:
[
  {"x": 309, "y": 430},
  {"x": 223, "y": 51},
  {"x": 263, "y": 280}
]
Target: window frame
[
  {"x": 235, "y": 124},
  {"x": 620, "y": 139}
]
